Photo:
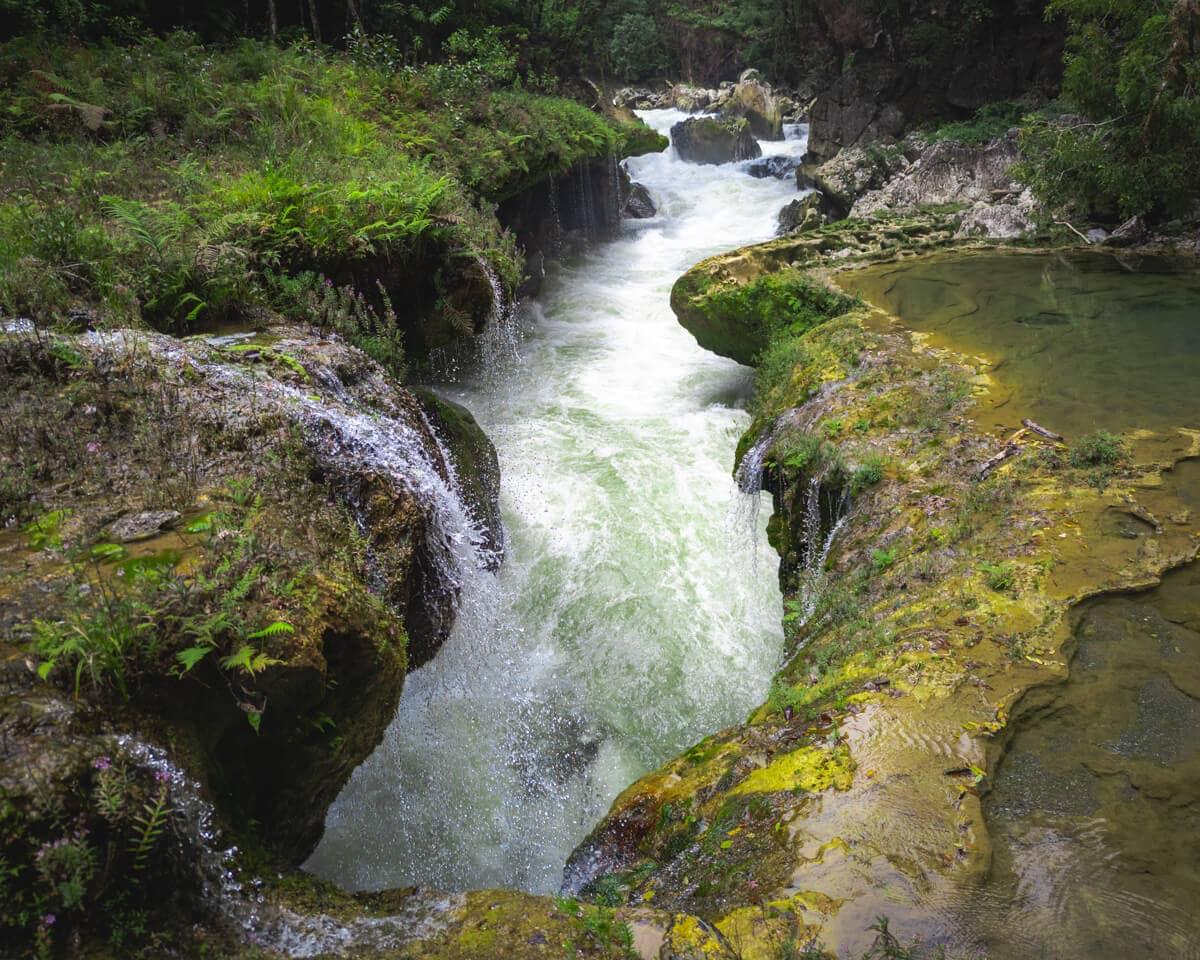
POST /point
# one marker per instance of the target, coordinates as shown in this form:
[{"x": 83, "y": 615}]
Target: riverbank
[{"x": 960, "y": 551}]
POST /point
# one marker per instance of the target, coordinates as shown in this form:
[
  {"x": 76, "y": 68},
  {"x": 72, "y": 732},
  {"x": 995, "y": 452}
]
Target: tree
[{"x": 1133, "y": 73}]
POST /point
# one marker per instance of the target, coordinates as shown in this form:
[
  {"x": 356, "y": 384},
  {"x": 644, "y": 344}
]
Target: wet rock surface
[
  {"x": 278, "y": 476},
  {"x": 712, "y": 141},
  {"x": 640, "y": 204}
]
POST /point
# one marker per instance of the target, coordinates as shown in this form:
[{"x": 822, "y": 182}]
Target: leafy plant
[
  {"x": 882, "y": 560},
  {"x": 1001, "y": 577},
  {"x": 151, "y": 822},
  {"x": 1097, "y": 449},
  {"x": 1132, "y": 72}
]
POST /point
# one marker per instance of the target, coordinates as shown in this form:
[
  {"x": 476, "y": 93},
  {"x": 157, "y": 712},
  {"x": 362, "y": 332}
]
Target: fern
[
  {"x": 141, "y": 220},
  {"x": 151, "y": 823},
  {"x": 278, "y": 628}
]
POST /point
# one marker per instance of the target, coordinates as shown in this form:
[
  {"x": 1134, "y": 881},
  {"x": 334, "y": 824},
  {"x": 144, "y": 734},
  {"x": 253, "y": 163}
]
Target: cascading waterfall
[
  {"x": 825, "y": 512},
  {"x": 497, "y": 344},
  {"x": 348, "y": 440},
  {"x": 626, "y": 624},
  {"x": 556, "y": 230}
]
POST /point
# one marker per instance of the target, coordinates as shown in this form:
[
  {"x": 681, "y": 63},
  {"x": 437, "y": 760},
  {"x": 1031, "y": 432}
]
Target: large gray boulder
[
  {"x": 713, "y": 140},
  {"x": 940, "y": 173}
]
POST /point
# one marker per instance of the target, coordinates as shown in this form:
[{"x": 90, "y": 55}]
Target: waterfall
[
  {"x": 614, "y": 190},
  {"x": 825, "y": 512},
  {"x": 351, "y": 443},
  {"x": 556, "y": 228},
  {"x": 497, "y": 344}
]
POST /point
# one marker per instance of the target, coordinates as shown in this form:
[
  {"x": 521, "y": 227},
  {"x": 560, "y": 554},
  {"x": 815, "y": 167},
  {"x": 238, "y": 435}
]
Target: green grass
[
  {"x": 990, "y": 121},
  {"x": 162, "y": 182}
]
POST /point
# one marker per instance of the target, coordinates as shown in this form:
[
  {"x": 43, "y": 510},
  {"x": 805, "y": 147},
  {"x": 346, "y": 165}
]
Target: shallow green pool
[{"x": 1077, "y": 341}]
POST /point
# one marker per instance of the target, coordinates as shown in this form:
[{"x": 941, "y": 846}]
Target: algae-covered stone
[
  {"x": 811, "y": 769},
  {"x": 712, "y": 141}
]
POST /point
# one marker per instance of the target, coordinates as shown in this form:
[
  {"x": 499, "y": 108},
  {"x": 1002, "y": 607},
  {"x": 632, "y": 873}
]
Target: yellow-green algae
[{"x": 811, "y": 769}]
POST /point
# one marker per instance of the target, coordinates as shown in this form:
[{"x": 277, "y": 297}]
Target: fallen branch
[
  {"x": 1040, "y": 430},
  {"x": 1081, "y": 236},
  {"x": 990, "y": 464},
  {"x": 1137, "y": 510}
]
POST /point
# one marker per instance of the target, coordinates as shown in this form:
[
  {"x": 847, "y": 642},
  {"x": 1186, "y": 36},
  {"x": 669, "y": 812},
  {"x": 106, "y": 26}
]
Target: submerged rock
[
  {"x": 708, "y": 140},
  {"x": 779, "y": 167}
]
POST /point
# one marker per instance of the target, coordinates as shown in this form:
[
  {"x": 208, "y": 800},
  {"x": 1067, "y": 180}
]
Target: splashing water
[{"x": 627, "y": 623}]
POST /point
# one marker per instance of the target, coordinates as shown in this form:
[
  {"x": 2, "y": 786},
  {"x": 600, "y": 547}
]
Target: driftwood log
[
  {"x": 991, "y": 463},
  {"x": 1040, "y": 430}
]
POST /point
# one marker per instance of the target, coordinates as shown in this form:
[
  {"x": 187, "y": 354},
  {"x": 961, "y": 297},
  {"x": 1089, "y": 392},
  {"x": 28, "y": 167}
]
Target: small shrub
[
  {"x": 868, "y": 473},
  {"x": 1001, "y": 577},
  {"x": 1097, "y": 449},
  {"x": 882, "y": 560}
]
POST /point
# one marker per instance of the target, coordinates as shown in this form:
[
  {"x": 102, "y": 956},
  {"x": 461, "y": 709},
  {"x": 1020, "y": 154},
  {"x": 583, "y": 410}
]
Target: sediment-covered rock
[{"x": 837, "y": 794}]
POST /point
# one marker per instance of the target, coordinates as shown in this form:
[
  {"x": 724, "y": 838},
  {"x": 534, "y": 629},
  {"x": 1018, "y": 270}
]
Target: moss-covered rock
[
  {"x": 710, "y": 140},
  {"x": 476, "y": 467},
  {"x": 753, "y": 99},
  {"x": 263, "y": 635}
]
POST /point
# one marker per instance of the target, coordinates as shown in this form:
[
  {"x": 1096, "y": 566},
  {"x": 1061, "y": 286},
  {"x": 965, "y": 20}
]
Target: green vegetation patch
[{"x": 167, "y": 181}]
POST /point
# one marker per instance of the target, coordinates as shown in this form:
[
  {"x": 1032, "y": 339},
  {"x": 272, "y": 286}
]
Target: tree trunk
[
  {"x": 272, "y": 20},
  {"x": 355, "y": 19},
  {"x": 316, "y": 24}
]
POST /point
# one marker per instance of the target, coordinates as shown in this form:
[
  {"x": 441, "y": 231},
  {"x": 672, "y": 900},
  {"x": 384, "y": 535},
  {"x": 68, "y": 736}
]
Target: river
[{"x": 638, "y": 607}]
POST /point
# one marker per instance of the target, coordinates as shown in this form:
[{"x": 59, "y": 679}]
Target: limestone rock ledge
[{"x": 855, "y": 790}]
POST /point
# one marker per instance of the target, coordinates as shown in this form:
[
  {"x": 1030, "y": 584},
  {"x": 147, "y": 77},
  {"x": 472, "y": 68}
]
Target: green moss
[
  {"x": 742, "y": 321},
  {"x": 809, "y": 769}
]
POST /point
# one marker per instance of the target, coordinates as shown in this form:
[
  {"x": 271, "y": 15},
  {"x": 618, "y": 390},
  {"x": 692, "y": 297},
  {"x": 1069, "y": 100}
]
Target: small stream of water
[{"x": 631, "y": 616}]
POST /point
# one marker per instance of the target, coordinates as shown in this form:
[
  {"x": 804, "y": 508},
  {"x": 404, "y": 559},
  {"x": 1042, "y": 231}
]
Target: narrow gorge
[{"x": 632, "y": 481}]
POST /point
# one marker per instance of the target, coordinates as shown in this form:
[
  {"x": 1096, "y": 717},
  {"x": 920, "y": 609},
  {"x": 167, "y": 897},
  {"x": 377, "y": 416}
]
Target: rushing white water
[{"x": 629, "y": 620}]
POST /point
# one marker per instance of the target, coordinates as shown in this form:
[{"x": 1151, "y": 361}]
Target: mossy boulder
[
  {"x": 752, "y": 98},
  {"x": 712, "y": 141},
  {"x": 266, "y": 631}
]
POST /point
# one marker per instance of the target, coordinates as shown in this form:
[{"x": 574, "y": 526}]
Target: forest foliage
[{"x": 1133, "y": 75}]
